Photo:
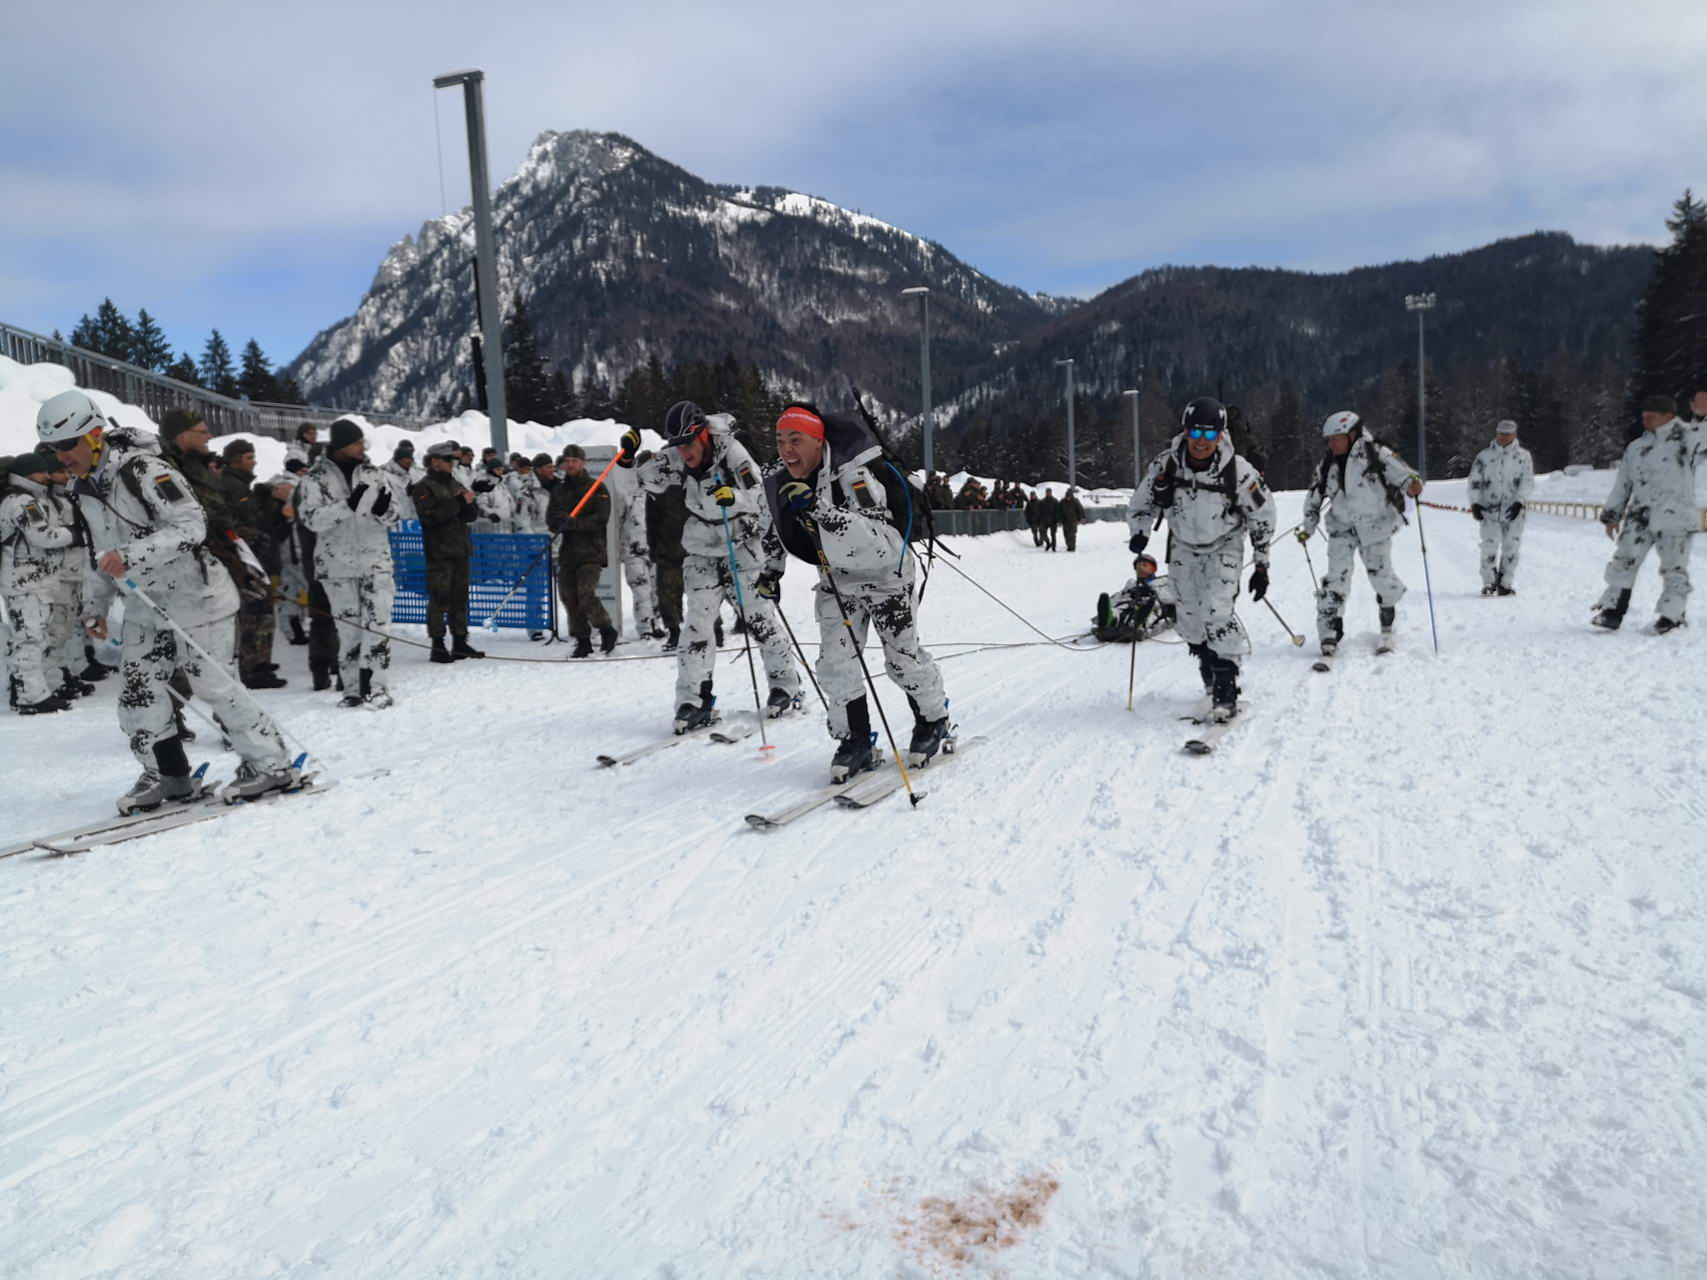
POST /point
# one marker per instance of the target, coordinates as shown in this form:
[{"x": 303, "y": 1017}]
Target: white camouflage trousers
[
  {"x": 637, "y": 570},
  {"x": 293, "y": 587},
  {"x": 152, "y": 652},
  {"x": 1633, "y": 545},
  {"x": 1343, "y": 549},
  {"x": 362, "y": 608},
  {"x": 35, "y": 642},
  {"x": 706, "y": 584},
  {"x": 910, "y": 666},
  {"x": 1501, "y": 541},
  {"x": 1206, "y": 582}
]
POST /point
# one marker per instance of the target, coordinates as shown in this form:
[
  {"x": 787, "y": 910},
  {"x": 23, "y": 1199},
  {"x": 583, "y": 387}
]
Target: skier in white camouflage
[
  {"x": 1210, "y": 496},
  {"x": 351, "y": 508},
  {"x": 628, "y": 502},
  {"x": 720, "y": 484},
  {"x": 829, "y": 491},
  {"x": 1653, "y": 506},
  {"x": 1364, "y": 485},
  {"x": 38, "y": 536},
  {"x": 1501, "y": 480},
  {"x": 146, "y": 526}
]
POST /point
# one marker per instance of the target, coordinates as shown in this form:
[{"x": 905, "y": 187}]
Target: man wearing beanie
[
  {"x": 581, "y": 552},
  {"x": 447, "y": 511},
  {"x": 255, "y": 618},
  {"x": 1653, "y": 499},
  {"x": 404, "y": 475},
  {"x": 349, "y": 505},
  {"x": 306, "y": 447},
  {"x": 524, "y": 495},
  {"x": 184, "y": 439},
  {"x": 1501, "y": 480}
]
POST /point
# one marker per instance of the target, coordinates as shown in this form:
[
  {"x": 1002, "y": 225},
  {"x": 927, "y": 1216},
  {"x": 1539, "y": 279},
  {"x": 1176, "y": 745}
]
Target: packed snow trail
[{"x": 1405, "y": 980}]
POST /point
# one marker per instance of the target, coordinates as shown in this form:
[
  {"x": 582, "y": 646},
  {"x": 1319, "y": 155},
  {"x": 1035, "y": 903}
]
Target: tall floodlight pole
[
  {"x": 1072, "y": 456},
  {"x": 485, "y": 254},
  {"x": 1421, "y": 303},
  {"x": 1132, "y": 398},
  {"x": 923, "y": 293}
]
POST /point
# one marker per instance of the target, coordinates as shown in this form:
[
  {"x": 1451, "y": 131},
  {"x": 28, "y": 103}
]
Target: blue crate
[{"x": 499, "y": 559}]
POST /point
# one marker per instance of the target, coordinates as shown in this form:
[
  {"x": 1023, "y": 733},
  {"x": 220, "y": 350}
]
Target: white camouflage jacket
[
  {"x": 348, "y": 544},
  {"x": 703, "y": 534},
  {"x": 1205, "y": 507},
  {"x": 402, "y": 479},
  {"x": 1358, "y": 497},
  {"x": 1501, "y": 475},
  {"x": 1655, "y": 487},
  {"x": 496, "y": 501},
  {"x": 137, "y": 504},
  {"x": 525, "y": 493},
  {"x": 37, "y": 529}
]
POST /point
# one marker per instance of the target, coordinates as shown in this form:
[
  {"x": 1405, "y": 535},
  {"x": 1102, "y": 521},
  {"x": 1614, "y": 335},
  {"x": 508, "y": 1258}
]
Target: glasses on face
[
  {"x": 66, "y": 446},
  {"x": 1204, "y": 433}
]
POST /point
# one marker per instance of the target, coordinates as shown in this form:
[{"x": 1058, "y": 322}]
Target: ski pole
[
  {"x": 1426, "y": 581},
  {"x": 130, "y": 586},
  {"x": 882, "y": 715},
  {"x": 1315, "y": 583},
  {"x": 491, "y": 623},
  {"x": 802, "y": 655},
  {"x": 1296, "y": 638},
  {"x": 1132, "y": 673},
  {"x": 746, "y": 631},
  {"x": 594, "y": 487}
]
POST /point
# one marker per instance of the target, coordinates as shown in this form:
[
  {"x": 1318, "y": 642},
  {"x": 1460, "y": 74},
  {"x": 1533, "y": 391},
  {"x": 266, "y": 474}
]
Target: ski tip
[{"x": 766, "y": 749}]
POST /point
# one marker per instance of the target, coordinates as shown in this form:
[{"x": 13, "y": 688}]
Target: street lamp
[
  {"x": 1072, "y": 463},
  {"x": 1132, "y": 398},
  {"x": 485, "y": 254},
  {"x": 923, "y": 293},
  {"x": 1421, "y": 303}
]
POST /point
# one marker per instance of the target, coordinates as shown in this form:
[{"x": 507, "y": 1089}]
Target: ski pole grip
[{"x": 585, "y": 497}]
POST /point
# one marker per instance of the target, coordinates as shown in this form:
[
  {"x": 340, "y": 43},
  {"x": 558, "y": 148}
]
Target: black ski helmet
[
  {"x": 684, "y": 421},
  {"x": 1205, "y": 411}
]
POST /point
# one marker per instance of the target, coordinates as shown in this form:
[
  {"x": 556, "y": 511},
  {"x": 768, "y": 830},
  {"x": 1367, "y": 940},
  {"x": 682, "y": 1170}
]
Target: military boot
[
  {"x": 460, "y": 649},
  {"x": 607, "y": 639},
  {"x": 583, "y": 647},
  {"x": 1610, "y": 619},
  {"x": 440, "y": 653}
]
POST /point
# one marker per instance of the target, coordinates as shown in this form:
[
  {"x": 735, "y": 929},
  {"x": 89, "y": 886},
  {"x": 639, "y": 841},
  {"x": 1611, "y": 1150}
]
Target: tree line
[{"x": 141, "y": 342}]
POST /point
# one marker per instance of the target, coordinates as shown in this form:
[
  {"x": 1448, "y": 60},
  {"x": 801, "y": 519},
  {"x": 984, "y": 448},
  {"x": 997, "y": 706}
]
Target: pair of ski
[
  {"x": 169, "y": 817},
  {"x": 1203, "y": 743},
  {"x": 861, "y": 791},
  {"x": 720, "y": 732},
  {"x": 1385, "y": 643}
]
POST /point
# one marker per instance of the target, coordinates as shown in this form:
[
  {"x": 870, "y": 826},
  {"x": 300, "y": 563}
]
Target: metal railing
[
  {"x": 1575, "y": 510},
  {"x": 155, "y": 393},
  {"x": 960, "y": 523}
]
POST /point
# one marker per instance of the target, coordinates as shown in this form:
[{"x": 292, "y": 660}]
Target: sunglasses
[
  {"x": 66, "y": 446},
  {"x": 1204, "y": 433}
]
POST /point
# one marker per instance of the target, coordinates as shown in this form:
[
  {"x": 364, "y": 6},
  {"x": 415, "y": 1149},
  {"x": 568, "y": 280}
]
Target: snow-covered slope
[{"x": 1405, "y": 981}]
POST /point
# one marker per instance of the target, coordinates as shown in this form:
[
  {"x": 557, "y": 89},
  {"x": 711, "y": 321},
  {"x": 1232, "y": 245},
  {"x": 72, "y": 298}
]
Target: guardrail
[
  {"x": 155, "y": 393},
  {"x": 1572, "y": 510},
  {"x": 958, "y": 523}
]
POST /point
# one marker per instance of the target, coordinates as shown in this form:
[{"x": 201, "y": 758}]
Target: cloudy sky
[{"x": 247, "y": 167}]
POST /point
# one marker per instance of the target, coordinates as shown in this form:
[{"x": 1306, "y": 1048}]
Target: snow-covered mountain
[{"x": 621, "y": 256}]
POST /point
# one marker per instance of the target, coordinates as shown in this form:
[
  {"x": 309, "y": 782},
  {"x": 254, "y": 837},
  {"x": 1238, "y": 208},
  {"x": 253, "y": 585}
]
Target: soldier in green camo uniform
[
  {"x": 446, "y": 510},
  {"x": 582, "y": 552},
  {"x": 666, "y": 515},
  {"x": 255, "y": 617}
]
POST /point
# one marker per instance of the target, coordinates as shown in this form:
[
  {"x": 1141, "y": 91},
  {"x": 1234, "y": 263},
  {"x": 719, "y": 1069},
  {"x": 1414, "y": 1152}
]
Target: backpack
[{"x": 1372, "y": 464}]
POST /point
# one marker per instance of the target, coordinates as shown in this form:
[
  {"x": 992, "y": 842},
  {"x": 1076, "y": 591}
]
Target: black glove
[
  {"x": 1137, "y": 543},
  {"x": 1259, "y": 582},
  {"x": 77, "y": 538},
  {"x": 630, "y": 447},
  {"x": 482, "y": 486},
  {"x": 1476, "y": 512},
  {"x": 493, "y": 516},
  {"x": 381, "y": 504},
  {"x": 356, "y": 496},
  {"x": 769, "y": 586},
  {"x": 1514, "y": 511}
]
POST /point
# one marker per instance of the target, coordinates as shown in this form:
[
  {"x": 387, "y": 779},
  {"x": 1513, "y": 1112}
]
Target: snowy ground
[{"x": 1408, "y": 980}]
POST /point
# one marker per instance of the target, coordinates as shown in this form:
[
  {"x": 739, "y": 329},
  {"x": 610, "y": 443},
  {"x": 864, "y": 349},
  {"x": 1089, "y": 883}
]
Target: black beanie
[
  {"x": 29, "y": 464},
  {"x": 236, "y": 448},
  {"x": 178, "y": 421},
  {"x": 345, "y": 433}
]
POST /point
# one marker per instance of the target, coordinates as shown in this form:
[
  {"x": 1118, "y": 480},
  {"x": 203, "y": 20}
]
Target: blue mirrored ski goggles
[{"x": 1203, "y": 433}]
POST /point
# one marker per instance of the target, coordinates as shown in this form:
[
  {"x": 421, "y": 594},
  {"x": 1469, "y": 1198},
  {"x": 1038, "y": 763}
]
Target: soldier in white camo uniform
[{"x": 1501, "y": 480}]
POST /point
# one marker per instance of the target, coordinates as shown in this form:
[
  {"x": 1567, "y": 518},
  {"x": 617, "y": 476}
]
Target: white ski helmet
[
  {"x": 1342, "y": 423},
  {"x": 68, "y": 415}
]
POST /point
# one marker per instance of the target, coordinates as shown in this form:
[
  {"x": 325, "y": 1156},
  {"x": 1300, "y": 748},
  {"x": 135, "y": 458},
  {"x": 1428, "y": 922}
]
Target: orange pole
[{"x": 590, "y": 492}]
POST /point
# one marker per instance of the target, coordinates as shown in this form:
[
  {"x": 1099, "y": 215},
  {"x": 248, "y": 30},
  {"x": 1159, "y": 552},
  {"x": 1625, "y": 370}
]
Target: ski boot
[
  {"x": 1388, "y": 614},
  {"x": 583, "y": 647},
  {"x": 1612, "y": 617},
  {"x": 1667, "y": 625},
  {"x": 1504, "y": 590},
  {"x": 297, "y": 634},
  {"x": 71, "y": 686},
  {"x": 1490, "y": 589},
  {"x": 607, "y": 639},
  {"x": 929, "y": 737},
  {"x": 47, "y": 706},
  {"x": 439, "y": 654},
  {"x": 257, "y": 780},
  {"x": 673, "y": 640},
  {"x": 853, "y": 755},
  {"x": 152, "y": 790},
  {"x": 460, "y": 649},
  {"x": 1226, "y": 695},
  {"x": 96, "y": 670},
  {"x": 780, "y": 703}
]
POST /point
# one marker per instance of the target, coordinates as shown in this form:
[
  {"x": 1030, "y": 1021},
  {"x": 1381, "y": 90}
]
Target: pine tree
[
  {"x": 563, "y": 396},
  {"x": 85, "y": 335},
  {"x": 256, "y": 381},
  {"x": 1671, "y": 323},
  {"x": 113, "y": 335},
  {"x": 216, "y": 371},
  {"x": 184, "y": 370},
  {"x": 149, "y": 347},
  {"x": 527, "y": 381},
  {"x": 286, "y": 390}
]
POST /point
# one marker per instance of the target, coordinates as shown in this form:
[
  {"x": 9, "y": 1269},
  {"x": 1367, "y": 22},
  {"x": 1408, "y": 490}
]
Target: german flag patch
[
  {"x": 168, "y": 489},
  {"x": 1256, "y": 495},
  {"x": 862, "y": 494}
]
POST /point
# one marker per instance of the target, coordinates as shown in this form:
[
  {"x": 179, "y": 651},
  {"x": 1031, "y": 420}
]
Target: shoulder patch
[
  {"x": 167, "y": 488},
  {"x": 746, "y": 474},
  {"x": 862, "y": 494},
  {"x": 1257, "y": 498}
]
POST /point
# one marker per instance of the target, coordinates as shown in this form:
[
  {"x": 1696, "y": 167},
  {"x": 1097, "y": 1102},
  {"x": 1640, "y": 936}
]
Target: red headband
[{"x": 802, "y": 420}]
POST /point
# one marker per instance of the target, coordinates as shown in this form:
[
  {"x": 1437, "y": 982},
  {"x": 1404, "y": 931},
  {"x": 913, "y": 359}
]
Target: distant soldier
[
  {"x": 255, "y": 617},
  {"x": 1654, "y": 501},
  {"x": 446, "y": 511},
  {"x": 1501, "y": 480},
  {"x": 306, "y": 447},
  {"x": 1048, "y": 517},
  {"x": 666, "y": 514},
  {"x": 1072, "y": 514},
  {"x": 582, "y": 554},
  {"x": 628, "y": 501},
  {"x": 497, "y": 509},
  {"x": 404, "y": 475},
  {"x": 37, "y": 535}
]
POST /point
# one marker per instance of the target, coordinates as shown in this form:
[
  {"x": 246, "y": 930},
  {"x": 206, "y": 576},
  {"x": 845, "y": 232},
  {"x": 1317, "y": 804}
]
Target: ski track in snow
[{"x": 1405, "y": 980}]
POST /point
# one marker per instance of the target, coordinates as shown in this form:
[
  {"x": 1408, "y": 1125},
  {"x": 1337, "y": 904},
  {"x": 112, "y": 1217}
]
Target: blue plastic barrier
[{"x": 498, "y": 562}]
